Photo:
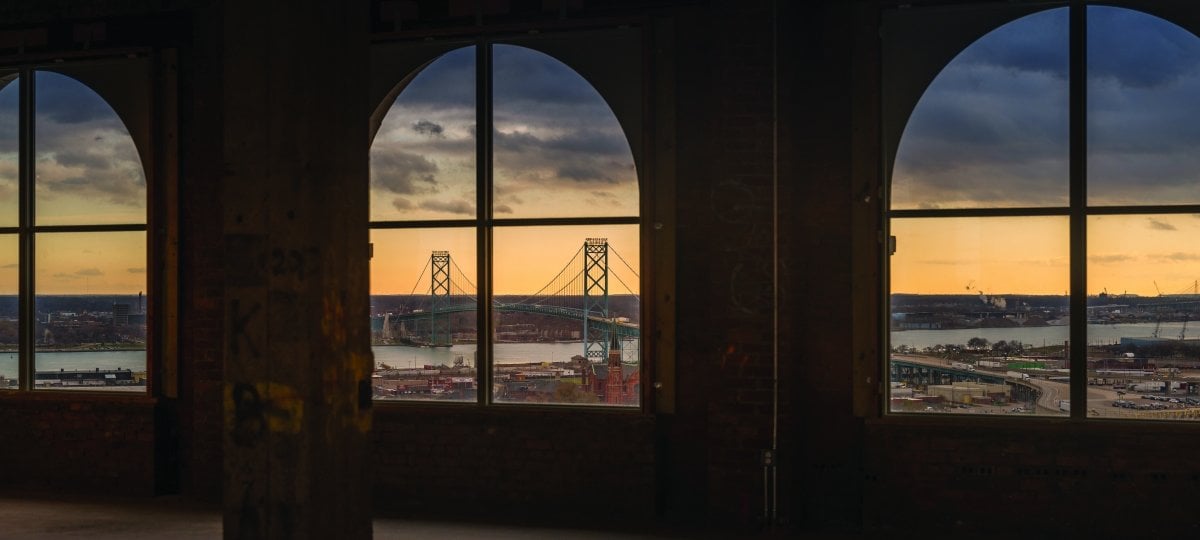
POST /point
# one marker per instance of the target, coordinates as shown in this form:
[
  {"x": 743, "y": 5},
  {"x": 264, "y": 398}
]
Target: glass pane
[
  {"x": 566, "y": 315},
  {"x": 1144, "y": 317},
  {"x": 91, "y": 311},
  {"x": 991, "y": 130},
  {"x": 558, "y": 150},
  {"x": 1143, "y": 122},
  {"x": 10, "y": 99},
  {"x": 9, "y": 341},
  {"x": 424, "y": 320},
  {"x": 88, "y": 169},
  {"x": 423, "y": 157},
  {"x": 980, "y": 315}
]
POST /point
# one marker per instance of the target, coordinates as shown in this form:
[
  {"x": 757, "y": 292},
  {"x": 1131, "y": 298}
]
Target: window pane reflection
[
  {"x": 91, "y": 311},
  {"x": 1144, "y": 317},
  {"x": 424, "y": 314},
  {"x": 991, "y": 129},
  {"x": 1143, "y": 122},
  {"x": 979, "y": 316},
  {"x": 88, "y": 169},
  {"x": 9, "y": 323},
  {"x": 10, "y": 98},
  {"x": 566, "y": 315},
  {"x": 423, "y": 157}
]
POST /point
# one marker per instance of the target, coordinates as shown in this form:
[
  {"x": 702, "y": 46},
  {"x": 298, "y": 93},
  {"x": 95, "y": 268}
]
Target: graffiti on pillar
[
  {"x": 238, "y": 322},
  {"x": 249, "y": 414}
]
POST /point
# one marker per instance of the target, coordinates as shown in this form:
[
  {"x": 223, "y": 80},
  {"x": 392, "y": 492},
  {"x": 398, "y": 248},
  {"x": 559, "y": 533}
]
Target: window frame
[
  {"x": 1077, "y": 210},
  {"x": 484, "y": 223},
  {"x": 144, "y": 103}
]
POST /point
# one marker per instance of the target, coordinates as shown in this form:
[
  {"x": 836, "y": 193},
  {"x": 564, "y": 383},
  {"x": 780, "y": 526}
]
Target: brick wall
[
  {"x": 724, "y": 262},
  {"x": 71, "y": 443},
  {"x": 574, "y": 467},
  {"x": 1100, "y": 479},
  {"x": 201, "y": 260}
]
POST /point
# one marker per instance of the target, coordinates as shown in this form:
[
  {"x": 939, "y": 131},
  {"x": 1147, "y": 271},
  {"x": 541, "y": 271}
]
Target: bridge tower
[
  {"x": 439, "y": 299},
  {"x": 595, "y": 299}
]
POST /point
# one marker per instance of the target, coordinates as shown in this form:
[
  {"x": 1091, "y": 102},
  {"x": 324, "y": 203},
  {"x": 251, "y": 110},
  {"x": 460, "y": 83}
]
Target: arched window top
[
  {"x": 991, "y": 130},
  {"x": 87, "y": 166},
  {"x": 992, "y": 127},
  {"x": 559, "y": 150},
  {"x": 557, "y": 147},
  {"x": 423, "y": 155}
]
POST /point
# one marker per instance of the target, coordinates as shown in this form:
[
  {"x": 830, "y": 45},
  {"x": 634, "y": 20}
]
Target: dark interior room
[{"x": 266, "y": 277}]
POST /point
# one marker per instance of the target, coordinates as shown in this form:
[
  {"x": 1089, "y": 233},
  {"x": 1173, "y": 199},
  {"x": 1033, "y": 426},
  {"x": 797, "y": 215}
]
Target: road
[{"x": 1099, "y": 399}]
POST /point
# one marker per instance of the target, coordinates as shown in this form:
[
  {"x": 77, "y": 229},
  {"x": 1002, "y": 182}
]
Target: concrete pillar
[{"x": 297, "y": 358}]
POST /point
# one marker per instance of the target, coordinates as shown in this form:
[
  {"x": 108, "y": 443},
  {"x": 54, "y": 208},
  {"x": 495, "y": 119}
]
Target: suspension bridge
[{"x": 578, "y": 292}]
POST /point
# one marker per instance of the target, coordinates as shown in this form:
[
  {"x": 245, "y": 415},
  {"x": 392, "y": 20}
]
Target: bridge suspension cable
[
  {"x": 556, "y": 279},
  {"x": 622, "y": 259},
  {"x": 420, "y": 277}
]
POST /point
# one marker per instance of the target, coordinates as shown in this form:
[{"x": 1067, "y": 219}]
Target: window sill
[{"x": 76, "y": 396}]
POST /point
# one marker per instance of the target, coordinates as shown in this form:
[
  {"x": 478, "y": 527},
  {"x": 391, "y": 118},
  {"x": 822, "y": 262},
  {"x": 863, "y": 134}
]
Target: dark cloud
[
  {"x": 401, "y": 172},
  {"x": 502, "y": 209},
  {"x": 447, "y": 81},
  {"x": 1035, "y": 43},
  {"x": 1178, "y": 256},
  {"x": 526, "y": 75},
  {"x": 583, "y": 173},
  {"x": 1111, "y": 259},
  {"x": 84, "y": 158},
  {"x": 451, "y": 207},
  {"x": 11, "y": 265},
  {"x": 1138, "y": 50},
  {"x": 1159, "y": 225},
  {"x": 579, "y": 156},
  {"x": 942, "y": 262},
  {"x": 89, "y": 272},
  {"x": 64, "y": 100},
  {"x": 402, "y": 204},
  {"x": 425, "y": 127},
  {"x": 141, "y": 270}
]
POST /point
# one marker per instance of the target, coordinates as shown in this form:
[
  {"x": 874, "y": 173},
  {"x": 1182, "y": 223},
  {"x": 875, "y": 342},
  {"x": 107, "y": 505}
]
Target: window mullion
[
  {"x": 26, "y": 320},
  {"x": 1078, "y": 190},
  {"x": 483, "y": 213}
]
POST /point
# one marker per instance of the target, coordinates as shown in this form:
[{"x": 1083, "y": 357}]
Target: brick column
[{"x": 297, "y": 361}]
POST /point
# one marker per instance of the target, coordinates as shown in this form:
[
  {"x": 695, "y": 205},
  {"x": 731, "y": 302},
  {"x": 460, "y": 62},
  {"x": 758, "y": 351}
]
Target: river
[
  {"x": 1038, "y": 336},
  {"x": 396, "y": 356}
]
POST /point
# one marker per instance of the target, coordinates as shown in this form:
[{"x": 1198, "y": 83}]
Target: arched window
[
  {"x": 504, "y": 258},
  {"x": 1043, "y": 196},
  {"x": 72, "y": 239}
]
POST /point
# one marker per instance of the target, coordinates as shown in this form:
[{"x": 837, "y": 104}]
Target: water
[
  {"x": 76, "y": 360},
  {"x": 399, "y": 356},
  {"x": 1037, "y": 336},
  {"x": 396, "y": 356}
]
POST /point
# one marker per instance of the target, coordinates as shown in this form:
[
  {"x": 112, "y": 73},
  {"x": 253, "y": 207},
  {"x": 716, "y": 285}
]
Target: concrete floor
[{"x": 44, "y": 518}]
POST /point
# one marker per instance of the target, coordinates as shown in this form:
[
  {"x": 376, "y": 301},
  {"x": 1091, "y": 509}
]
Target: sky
[
  {"x": 558, "y": 151},
  {"x": 991, "y": 131},
  {"x": 87, "y": 171}
]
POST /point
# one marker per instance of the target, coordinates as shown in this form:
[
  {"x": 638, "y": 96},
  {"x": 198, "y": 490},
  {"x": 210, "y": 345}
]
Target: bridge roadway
[{"x": 625, "y": 329}]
